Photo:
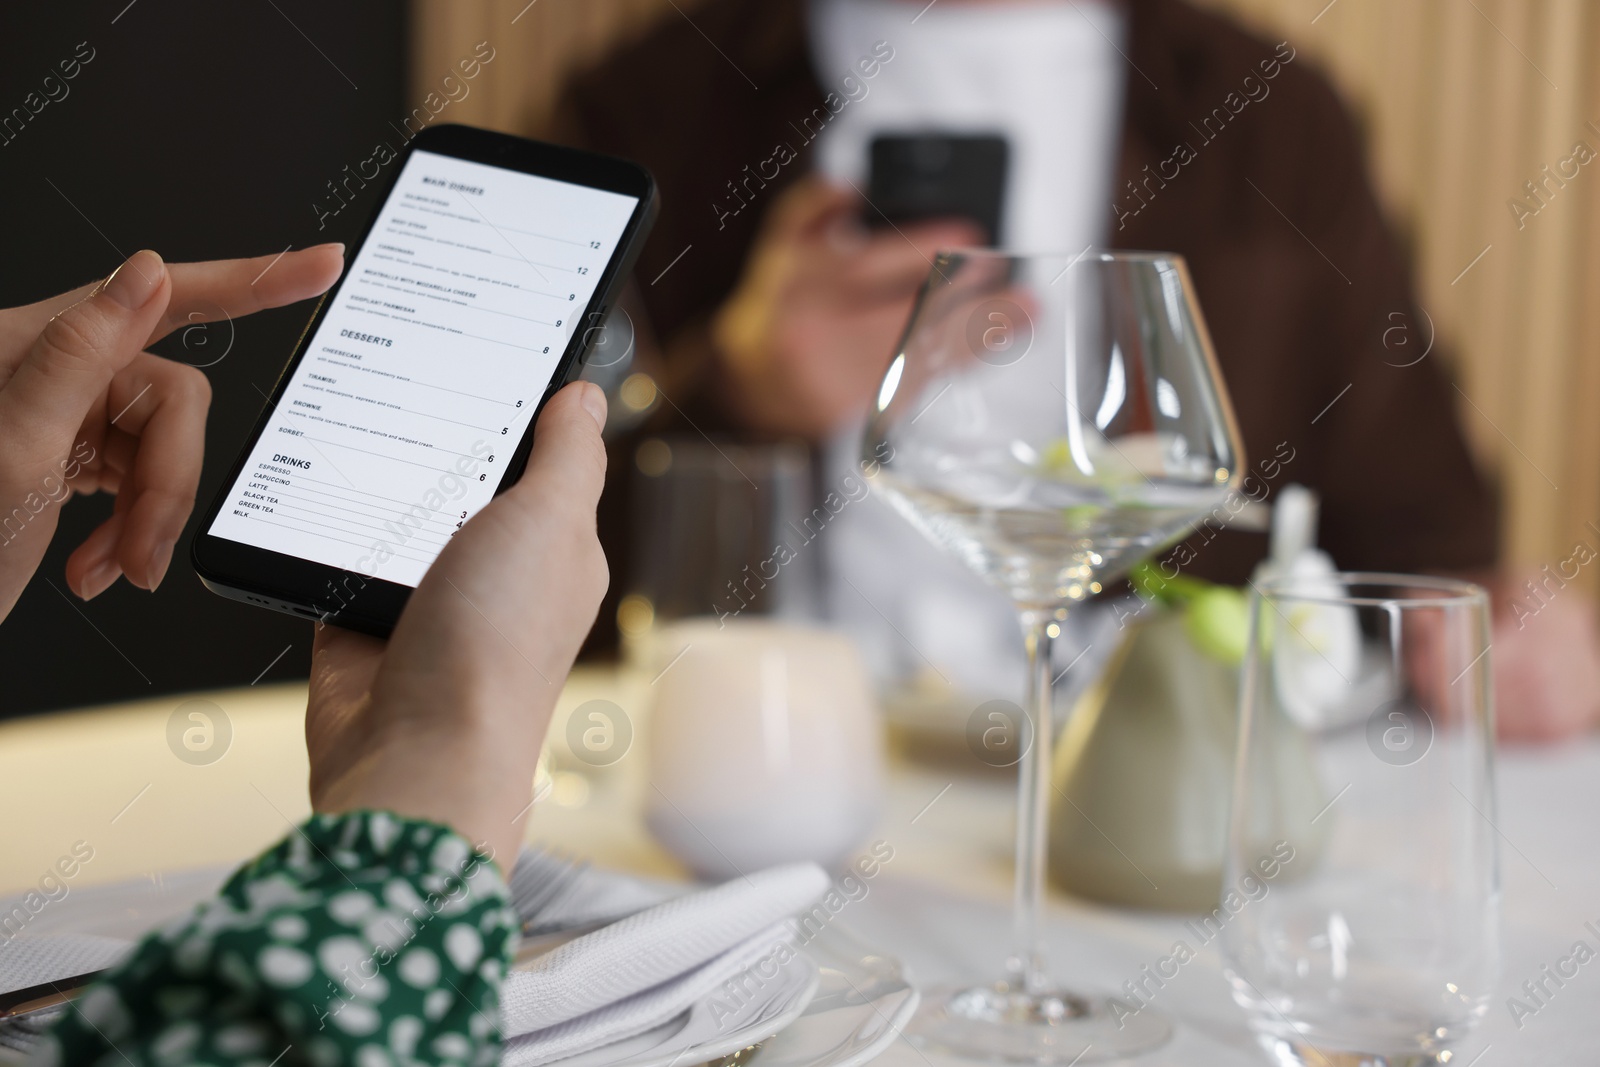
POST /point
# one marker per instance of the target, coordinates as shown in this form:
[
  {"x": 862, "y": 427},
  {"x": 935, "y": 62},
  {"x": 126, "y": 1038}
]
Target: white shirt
[
  {"x": 1047, "y": 74},
  {"x": 1044, "y": 73}
]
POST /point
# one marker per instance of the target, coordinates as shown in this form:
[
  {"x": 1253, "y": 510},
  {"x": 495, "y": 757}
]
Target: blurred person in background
[{"x": 1141, "y": 124}]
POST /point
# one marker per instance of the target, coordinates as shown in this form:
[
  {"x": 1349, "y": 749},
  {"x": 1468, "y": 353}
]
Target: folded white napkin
[{"x": 643, "y": 970}]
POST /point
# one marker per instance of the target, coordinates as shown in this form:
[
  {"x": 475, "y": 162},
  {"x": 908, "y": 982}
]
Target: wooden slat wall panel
[
  {"x": 1458, "y": 116},
  {"x": 1551, "y": 261},
  {"x": 1488, "y": 328},
  {"x": 1581, "y": 412},
  {"x": 1457, "y": 99},
  {"x": 1406, "y": 48},
  {"x": 536, "y": 45}
]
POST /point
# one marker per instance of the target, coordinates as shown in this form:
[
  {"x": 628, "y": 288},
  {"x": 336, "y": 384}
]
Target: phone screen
[{"x": 421, "y": 378}]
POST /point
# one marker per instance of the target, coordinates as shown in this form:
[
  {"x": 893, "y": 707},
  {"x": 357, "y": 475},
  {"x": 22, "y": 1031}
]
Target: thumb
[
  {"x": 530, "y": 562},
  {"x": 568, "y": 461},
  {"x": 74, "y": 359},
  {"x": 552, "y": 505}
]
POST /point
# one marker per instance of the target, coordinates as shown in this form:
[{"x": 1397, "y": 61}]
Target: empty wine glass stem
[{"x": 1033, "y": 805}]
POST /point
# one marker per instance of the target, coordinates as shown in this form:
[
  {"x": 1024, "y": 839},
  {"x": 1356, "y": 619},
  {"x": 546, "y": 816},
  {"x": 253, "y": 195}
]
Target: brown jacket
[{"x": 1235, "y": 153}]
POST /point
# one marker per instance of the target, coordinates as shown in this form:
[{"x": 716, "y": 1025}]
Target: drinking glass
[
  {"x": 713, "y": 516},
  {"x": 1051, "y": 421},
  {"x": 1359, "y": 921}
]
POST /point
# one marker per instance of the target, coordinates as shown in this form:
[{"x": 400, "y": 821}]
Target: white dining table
[{"x": 107, "y": 780}]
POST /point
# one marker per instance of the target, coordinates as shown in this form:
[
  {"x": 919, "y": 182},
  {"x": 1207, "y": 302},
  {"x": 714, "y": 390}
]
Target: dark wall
[{"x": 201, "y": 130}]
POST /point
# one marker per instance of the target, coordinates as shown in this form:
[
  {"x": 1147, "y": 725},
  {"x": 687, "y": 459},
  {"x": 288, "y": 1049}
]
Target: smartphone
[
  {"x": 922, "y": 176},
  {"x": 483, "y": 276}
]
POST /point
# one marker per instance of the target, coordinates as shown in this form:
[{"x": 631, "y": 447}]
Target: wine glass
[
  {"x": 1051, "y": 421},
  {"x": 1375, "y": 940}
]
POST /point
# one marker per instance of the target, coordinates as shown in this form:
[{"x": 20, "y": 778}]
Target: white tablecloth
[{"x": 941, "y": 905}]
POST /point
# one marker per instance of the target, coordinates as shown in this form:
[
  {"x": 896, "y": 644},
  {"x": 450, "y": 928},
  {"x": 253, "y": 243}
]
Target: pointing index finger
[
  {"x": 206, "y": 292},
  {"x": 79, "y": 350}
]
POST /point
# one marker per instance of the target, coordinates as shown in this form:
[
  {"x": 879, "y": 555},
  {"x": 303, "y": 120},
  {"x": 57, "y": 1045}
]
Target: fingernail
[
  {"x": 99, "y": 579},
  {"x": 160, "y": 560},
  {"x": 593, "y": 400},
  {"x": 137, "y": 280},
  {"x": 331, "y": 244}
]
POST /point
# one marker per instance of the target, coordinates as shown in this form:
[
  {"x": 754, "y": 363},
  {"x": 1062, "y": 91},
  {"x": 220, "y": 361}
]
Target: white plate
[
  {"x": 861, "y": 1006},
  {"x": 706, "y": 1031},
  {"x": 855, "y": 1004}
]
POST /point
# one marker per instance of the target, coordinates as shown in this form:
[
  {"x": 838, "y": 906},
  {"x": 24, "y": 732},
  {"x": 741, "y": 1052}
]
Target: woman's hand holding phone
[
  {"x": 83, "y": 408},
  {"x": 444, "y": 721}
]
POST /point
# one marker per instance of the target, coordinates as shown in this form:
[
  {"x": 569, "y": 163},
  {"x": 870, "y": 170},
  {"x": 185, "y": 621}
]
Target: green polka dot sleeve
[{"x": 362, "y": 938}]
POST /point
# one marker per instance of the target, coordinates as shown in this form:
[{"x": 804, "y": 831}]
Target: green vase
[{"x": 1144, "y": 772}]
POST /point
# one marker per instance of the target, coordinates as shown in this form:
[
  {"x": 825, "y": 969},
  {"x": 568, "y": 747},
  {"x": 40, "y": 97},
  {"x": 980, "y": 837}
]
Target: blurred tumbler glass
[
  {"x": 1360, "y": 911},
  {"x": 721, "y": 531}
]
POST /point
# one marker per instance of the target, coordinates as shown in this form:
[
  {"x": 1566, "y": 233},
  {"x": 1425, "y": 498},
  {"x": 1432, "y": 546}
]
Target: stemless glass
[
  {"x": 1359, "y": 923},
  {"x": 1051, "y": 421},
  {"x": 713, "y": 514}
]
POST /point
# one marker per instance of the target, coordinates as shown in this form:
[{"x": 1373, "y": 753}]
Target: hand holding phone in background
[
  {"x": 806, "y": 334},
  {"x": 925, "y": 176},
  {"x": 83, "y": 408}
]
